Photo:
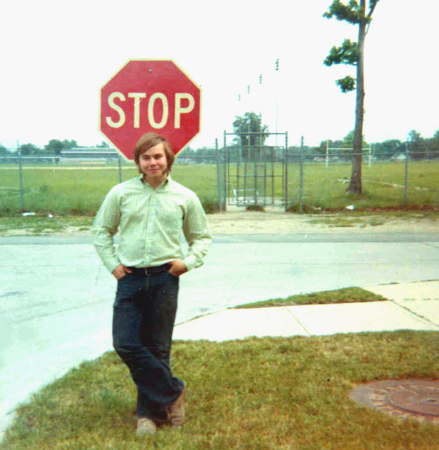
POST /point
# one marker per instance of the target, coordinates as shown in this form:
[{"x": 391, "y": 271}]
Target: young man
[{"x": 151, "y": 212}]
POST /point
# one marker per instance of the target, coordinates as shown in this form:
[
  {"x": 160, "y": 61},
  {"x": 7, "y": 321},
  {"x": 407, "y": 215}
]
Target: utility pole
[
  {"x": 20, "y": 172},
  {"x": 277, "y": 92}
]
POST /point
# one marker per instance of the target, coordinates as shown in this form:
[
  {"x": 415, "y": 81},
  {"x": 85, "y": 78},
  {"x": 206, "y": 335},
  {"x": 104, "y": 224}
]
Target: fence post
[
  {"x": 20, "y": 174},
  {"x": 301, "y": 175},
  {"x": 218, "y": 176},
  {"x": 286, "y": 171},
  {"x": 406, "y": 190},
  {"x": 226, "y": 188},
  {"x": 120, "y": 169},
  {"x": 327, "y": 154}
]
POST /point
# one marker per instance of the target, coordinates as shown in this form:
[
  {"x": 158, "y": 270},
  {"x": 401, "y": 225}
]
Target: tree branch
[{"x": 372, "y": 6}]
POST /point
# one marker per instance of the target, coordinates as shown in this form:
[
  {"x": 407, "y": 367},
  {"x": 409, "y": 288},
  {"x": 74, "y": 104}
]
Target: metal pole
[
  {"x": 20, "y": 174},
  {"x": 260, "y": 99},
  {"x": 406, "y": 190},
  {"x": 256, "y": 175},
  {"x": 286, "y": 171},
  {"x": 327, "y": 154},
  {"x": 238, "y": 162},
  {"x": 265, "y": 173},
  {"x": 225, "y": 171},
  {"x": 272, "y": 175},
  {"x": 370, "y": 156},
  {"x": 120, "y": 169},
  {"x": 301, "y": 174},
  {"x": 245, "y": 169},
  {"x": 277, "y": 92},
  {"x": 218, "y": 180}
]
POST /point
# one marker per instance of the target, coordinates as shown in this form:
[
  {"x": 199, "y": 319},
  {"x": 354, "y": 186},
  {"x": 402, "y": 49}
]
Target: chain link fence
[
  {"x": 79, "y": 184},
  {"x": 307, "y": 181},
  {"x": 320, "y": 181}
]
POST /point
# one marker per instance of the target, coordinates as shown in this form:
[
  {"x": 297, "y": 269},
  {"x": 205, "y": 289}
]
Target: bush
[{"x": 210, "y": 205}]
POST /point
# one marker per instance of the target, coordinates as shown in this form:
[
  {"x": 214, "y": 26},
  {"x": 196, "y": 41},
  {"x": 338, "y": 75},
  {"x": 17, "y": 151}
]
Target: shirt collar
[{"x": 162, "y": 186}]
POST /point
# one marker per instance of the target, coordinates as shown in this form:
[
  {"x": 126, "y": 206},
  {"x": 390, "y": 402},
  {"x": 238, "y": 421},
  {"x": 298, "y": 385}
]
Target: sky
[{"x": 56, "y": 56}]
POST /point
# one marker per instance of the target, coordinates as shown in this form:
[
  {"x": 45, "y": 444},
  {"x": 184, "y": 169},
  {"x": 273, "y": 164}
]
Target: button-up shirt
[{"x": 150, "y": 221}]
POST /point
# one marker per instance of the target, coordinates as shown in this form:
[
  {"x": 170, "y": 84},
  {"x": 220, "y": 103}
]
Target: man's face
[{"x": 153, "y": 164}]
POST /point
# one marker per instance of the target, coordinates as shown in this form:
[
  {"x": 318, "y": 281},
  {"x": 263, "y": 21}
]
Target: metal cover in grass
[{"x": 417, "y": 399}]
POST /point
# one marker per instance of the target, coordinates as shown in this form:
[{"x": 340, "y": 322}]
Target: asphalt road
[{"x": 56, "y": 297}]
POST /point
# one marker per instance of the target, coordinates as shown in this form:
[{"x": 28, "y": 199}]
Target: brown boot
[
  {"x": 145, "y": 426},
  {"x": 176, "y": 410}
]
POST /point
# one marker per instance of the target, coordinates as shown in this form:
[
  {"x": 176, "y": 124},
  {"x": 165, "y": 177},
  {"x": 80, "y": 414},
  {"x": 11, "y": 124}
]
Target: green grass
[
  {"x": 68, "y": 190},
  {"x": 365, "y": 219},
  {"x": 326, "y": 188},
  {"x": 62, "y": 189},
  {"x": 347, "y": 295},
  {"x": 347, "y": 222},
  {"x": 43, "y": 224},
  {"x": 255, "y": 394}
]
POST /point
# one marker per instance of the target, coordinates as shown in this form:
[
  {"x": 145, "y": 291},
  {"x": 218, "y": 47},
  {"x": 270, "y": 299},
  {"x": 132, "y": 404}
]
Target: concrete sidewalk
[{"x": 410, "y": 306}]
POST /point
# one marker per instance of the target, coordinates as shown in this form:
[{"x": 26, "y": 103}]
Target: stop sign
[{"x": 148, "y": 95}]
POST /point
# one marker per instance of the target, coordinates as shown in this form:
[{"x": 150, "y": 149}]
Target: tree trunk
[{"x": 355, "y": 184}]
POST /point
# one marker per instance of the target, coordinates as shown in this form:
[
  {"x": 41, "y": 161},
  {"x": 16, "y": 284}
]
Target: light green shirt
[{"x": 151, "y": 222}]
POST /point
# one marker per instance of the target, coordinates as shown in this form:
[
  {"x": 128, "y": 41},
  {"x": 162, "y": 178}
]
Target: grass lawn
[
  {"x": 383, "y": 185},
  {"x": 270, "y": 393},
  {"x": 347, "y": 295},
  {"x": 64, "y": 189}
]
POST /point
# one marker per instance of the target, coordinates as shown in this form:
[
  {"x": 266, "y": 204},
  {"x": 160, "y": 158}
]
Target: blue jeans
[{"x": 143, "y": 322}]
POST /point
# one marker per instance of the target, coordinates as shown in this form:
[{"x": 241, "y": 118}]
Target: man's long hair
[{"x": 150, "y": 140}]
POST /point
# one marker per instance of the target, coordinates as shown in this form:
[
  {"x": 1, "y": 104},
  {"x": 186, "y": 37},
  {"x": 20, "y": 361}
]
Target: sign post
[{"x": 150, "y": 95}]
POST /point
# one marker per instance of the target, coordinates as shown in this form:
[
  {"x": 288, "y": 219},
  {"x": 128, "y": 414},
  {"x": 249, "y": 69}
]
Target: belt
[{"x": 150, "y": 270}]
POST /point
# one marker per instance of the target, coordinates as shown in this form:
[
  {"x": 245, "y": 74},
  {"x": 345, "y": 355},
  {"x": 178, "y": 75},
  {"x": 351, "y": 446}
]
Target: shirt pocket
[{"x": 170, "y": 218}]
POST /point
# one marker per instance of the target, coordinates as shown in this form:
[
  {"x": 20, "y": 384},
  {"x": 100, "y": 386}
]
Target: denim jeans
[{"x": 143, "y": 322}]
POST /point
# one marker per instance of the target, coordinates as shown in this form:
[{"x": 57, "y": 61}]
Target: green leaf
[
  {"x": 350, "y": 12},
  {"x": 346, "y": 84},
  {"x": 346, "y": 54}
]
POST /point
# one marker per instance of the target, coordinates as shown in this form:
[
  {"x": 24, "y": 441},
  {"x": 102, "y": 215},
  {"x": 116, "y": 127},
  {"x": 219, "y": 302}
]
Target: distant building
[
  {"x": 400, "y": 157},
  {"x": 90, "y": 153}
]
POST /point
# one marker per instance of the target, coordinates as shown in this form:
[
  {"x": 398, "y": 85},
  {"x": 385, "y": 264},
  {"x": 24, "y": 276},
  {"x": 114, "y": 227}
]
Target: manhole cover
[{"x": 417, "y": 399}]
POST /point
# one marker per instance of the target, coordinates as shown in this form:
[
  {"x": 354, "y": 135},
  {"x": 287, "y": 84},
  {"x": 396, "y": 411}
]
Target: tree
[
  {"x": 434, "y": 145},
  {"x": 387, "y": 149},
  {"x": 29, "y": 149},
  {"x": 69, "y": 144},
  {"x": 250, "y": 122},
  {"x": 352, "y": 53},
  {"x": 417, "y": 145},
  {"x": 3, "y": 150},
  {"x": 103, "y": 145},
  {"x": 54, "y": 146},
  {"x": 348, "y": 140}
]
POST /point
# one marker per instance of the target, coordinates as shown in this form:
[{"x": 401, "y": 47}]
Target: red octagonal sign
[{"x": 150, "y": 96}]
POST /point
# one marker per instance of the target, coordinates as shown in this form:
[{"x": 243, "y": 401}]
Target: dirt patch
[
  {"x": 277, "y": 222},
  {"x": 281, "y": 223}
]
